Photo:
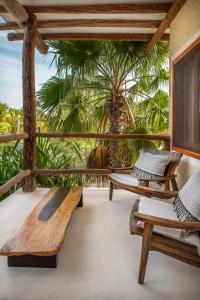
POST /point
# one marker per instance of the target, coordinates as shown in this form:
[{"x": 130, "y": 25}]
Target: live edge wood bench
[{"x": 38, "y": 241}]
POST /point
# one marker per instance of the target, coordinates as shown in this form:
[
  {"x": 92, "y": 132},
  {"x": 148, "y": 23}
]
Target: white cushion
[
  {"x": 152, "y": 163},
  {"x": 158, "y": 208},
  {"x": 125, "y": 179},
  {"x": 130, "y": 180}
]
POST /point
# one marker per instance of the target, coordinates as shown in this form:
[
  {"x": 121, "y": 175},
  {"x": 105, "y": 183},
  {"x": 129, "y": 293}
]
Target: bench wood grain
[{"x": 43, "y": 232}]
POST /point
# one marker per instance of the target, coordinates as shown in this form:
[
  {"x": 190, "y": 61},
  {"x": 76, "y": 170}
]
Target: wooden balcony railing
[
  {"x": 106, "y": 136},
  {"x": 13, "y": 181},
  {"x": 57, "y": 172},
  {"x": 13, "y": 137}
]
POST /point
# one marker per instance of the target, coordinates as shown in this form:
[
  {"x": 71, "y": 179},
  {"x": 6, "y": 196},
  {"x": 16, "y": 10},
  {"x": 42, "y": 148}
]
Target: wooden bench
[{"x": 37, "y": 242}]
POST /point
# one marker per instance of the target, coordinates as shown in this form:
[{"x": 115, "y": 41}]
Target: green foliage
[
  {"x": 77, "y": 99},
  {"x": 56, "y": 155},
  {"x": 154, "y": 112},
  {"x": 65, "y": 106},
  {"x": 89, "y": 71},
  {"x": 49, "y": 155},
  {"x": 78, "y": 56},
  {"x": 10, "y": 163},
  {"x": 3, "y": 109},
  {"x": 128, "y": 150},
  {"x": 10, "y": 119},
  {"x": 52, "y": 95}
]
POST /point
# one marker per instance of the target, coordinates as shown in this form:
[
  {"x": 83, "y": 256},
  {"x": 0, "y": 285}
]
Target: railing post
[
  {"x": 29, "y": 103},
  {"x": 166, "y": 145}
]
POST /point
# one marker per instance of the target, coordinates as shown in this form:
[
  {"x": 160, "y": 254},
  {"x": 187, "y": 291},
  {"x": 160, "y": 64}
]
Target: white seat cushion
[
  {"x": 125, "y": 179},
  {"x": 131, "y": 180},
  {"x": 158, "y": 208}
]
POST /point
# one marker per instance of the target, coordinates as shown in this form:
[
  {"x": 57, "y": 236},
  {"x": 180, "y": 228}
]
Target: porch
[{"x": 99, "y": 258}]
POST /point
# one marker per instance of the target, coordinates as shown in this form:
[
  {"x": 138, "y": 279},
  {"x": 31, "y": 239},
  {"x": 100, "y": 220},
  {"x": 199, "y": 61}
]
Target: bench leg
[
  {"x": 33, "y": 261},
  {"x": 80, "y": 204}
]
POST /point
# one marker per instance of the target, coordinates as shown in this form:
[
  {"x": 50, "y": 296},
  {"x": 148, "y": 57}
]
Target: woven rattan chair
[
  {"x": 168, "y": 178},
  {"x": 161, "y": 230}
]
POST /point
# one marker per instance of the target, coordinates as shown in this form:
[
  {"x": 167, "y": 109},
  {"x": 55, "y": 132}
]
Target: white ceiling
[{"x": 156, "y": 16}]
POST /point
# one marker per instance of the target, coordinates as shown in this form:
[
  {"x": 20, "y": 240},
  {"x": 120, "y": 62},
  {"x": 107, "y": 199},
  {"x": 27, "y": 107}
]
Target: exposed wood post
[{"x": 29, "y": 104}]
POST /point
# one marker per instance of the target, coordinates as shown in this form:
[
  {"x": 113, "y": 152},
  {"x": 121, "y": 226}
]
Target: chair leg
[
  {"x": 167, "y": 185},
  {"x": 174, "y": 184},
  {"x": 146, "y": 183},
  {"x": 111, "y": 191},
  {"x": 146, "y": 241}
]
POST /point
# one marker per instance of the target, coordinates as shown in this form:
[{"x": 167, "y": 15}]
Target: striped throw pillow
[
  {"x": 151, "y": 164},
  {"x": 187, "y": 202}
]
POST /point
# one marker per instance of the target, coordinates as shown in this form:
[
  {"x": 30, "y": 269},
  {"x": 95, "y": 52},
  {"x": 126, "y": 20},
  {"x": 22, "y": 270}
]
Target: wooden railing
[
  {"x": 57, "y": 172},
  {"x": 100, "y": 136},
  {"x": 13, "y": 181},
  {"x": 106, "y": 136},
  {"x": 22, "y": 174},
  {"x": 13, "y": 137}
]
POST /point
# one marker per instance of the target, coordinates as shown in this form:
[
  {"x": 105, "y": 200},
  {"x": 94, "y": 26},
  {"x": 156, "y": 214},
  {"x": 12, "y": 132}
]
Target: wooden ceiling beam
[
  {"x": 21, "y": 17},
  {"x": 87, "y": 23},
  {"x": 90, "y": 36},
  {"x": 173, "y": 11},
  {"x": 9, "y": 26},
  {"x": 135, "y": 8}
]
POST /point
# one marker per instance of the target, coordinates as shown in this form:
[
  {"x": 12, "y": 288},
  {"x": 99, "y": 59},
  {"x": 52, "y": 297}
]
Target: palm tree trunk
[{"x": 117, "y": 118}]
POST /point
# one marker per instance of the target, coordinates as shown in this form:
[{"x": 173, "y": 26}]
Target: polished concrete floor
[{"x": 99, "y": 259}]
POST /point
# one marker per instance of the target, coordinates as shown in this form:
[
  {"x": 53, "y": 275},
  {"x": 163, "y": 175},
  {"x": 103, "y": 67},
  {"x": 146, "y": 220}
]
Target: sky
[{"x": 11, "y": 70}]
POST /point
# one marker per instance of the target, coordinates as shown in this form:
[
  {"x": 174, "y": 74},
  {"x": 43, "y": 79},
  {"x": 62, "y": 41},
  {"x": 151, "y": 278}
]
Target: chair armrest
[
  {"x": 161, "y": 178},
  {"x": 126, "y": 170},
  {"x": 192, "y": 226},
  {"x": 120, "y": 169},
  {"x": 150, "y": 192}
]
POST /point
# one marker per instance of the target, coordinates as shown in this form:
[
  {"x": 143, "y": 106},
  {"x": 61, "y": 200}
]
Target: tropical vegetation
[{"x": 104, "y": 87}]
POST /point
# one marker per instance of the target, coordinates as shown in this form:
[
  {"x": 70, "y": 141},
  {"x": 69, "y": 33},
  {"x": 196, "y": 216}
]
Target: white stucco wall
[{"x": 184, "y": 30}]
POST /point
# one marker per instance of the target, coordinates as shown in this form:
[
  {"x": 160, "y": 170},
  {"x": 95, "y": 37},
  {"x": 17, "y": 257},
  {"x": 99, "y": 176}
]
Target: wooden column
[{"x": 29, "y": 103}]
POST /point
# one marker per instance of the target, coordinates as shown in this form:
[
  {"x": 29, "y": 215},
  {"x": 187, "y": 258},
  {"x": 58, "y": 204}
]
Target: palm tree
[
  {"x": 154, "y": 113},
  {"x": 108, "y": 73}
]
